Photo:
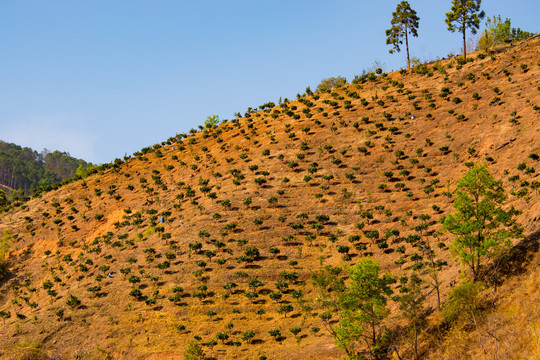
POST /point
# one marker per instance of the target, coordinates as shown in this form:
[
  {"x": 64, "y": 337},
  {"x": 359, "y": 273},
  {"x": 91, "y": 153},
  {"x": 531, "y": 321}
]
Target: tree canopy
[
  {"x": 404, "y": 21},
  {"x": 24, "y": 169},
  {"x": 211, "y": 121},
  {"x": 481, "y": 226},
  {"x": 464, "y": 14},
  {"x": 326, "y": 85},
  {"x": 360, "y": 304},
  {"x": 499, "y": 32}
]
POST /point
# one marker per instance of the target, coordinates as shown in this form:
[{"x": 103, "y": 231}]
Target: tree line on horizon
[
  {"x": 464, "y": 15},
  {"x": 25, "y": 169}
]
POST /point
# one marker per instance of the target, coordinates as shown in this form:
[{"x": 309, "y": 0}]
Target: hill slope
[{"x": 149, "y": 246}]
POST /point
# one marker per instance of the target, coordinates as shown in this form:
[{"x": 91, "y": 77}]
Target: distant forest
[{"x": 22, "y": 168}]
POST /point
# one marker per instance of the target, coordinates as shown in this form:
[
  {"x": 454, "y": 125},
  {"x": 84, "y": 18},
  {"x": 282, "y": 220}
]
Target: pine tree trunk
[
  {"x": 415, "y": 343},
  {"x": 464, "y": 45},
  {"x": 438, "y": 297},
  {"x": 407, "y": 45},
  {"x": 477, "y": 264},
  {"x": 374, "y": 334}
]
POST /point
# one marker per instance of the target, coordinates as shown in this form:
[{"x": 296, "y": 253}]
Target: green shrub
[
  {"x": 463, "y": 302},
  {"x": 194, "y": 351},
  {"x": 326, "y": 85}
]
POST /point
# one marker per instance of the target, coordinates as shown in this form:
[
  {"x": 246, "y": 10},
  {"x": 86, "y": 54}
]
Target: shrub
[
  {"x": 247, "y": 336},
  {"x": 326, "y": 85},
  {"x": 275, "y": 333},
  {"x": 260, "y": 181},
  {"x": 285, "y": 309},
  {"x": 295, "y": 330},
  {"x": 194, "y": 351},
  {"x": 73, "y": 302},
  {"x": 463, "y": 301}
]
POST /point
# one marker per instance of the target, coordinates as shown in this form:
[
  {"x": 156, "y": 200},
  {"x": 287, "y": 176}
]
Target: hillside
[
  {"x": 22, "y": 168},
  {"x": 153, "y": 246}
]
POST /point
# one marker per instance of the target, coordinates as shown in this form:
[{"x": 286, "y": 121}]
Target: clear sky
[{"x": 102, "y": 78}]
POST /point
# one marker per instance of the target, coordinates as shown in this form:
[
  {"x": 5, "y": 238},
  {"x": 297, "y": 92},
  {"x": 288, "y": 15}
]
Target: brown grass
[{"x": 117, "y": 325}]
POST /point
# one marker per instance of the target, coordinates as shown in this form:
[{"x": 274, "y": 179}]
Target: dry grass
[
  {"x": 507, "y": 330},
  {"x": 121, "y": 326}
]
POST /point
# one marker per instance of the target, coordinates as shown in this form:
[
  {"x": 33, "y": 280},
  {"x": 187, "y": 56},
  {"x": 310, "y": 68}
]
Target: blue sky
[{"x": 102, "y": 78}]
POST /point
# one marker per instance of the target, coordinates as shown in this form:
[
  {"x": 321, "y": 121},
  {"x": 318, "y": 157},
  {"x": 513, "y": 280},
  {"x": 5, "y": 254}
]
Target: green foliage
[
  {"x": 26, "y": 169},
  {"x": 404, "y": 21},
  {"x": 275, "y": 333},
  {"x": 4, "y": 247},
  {"x": 499, "y": 32},
  {"x": 60, "y": 313},
  {"x": 84, "y": 170},
  {"x": 463, "y": 302},
  {"x": 247, "y": 336},
  {"x": 211, "y": 122},
  {"x": 295, "y": 330},
  {"x": 73, "y": 301},
  {"x": 194, "y": 351},
  {"x": 360, "y": 305},
  {"x": 326, "y": 85},
  {"x": 481, "y": 226},
  {"x": 412, "y": 306},
  {"x": 285, "y": 309},
  {"x": 464, "y": 14},
  {"x": 3, "y": 199}
]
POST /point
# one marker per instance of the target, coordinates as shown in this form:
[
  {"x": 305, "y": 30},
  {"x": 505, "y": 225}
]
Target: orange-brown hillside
[{"x": 152, "y": 246}]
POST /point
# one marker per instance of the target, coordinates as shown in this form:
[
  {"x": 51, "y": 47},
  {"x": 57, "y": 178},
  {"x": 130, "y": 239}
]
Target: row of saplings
[{"x": 353, "y": 308}]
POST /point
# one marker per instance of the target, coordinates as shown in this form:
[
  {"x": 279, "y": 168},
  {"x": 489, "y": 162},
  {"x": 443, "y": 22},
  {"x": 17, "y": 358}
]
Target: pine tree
[
  {"x": 404, "y": 21},
  {"x": 412, "y": 306},
  {"x": 481, "y": 226},
  {"x": 463, "y": 15},
  {"x": 194, "y": 351},
  {"x": 3, "y": 198},
  {"x": 360, "y": 304},
  {"x": 498, "y": 32}
]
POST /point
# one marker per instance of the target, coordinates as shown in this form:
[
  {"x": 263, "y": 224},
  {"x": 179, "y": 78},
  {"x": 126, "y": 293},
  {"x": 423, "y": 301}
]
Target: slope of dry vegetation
[{"x": 215, "y": 236}]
